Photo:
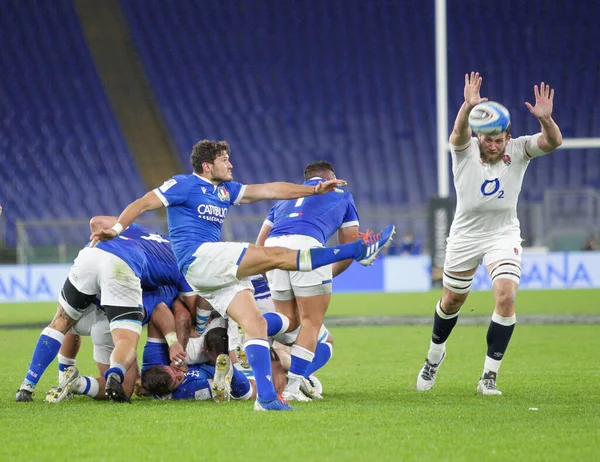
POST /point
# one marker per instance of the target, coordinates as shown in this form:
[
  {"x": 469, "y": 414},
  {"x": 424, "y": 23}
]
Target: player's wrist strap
[
  {"x": 118, "y": 227},
  {"x": 171, "y": 338}
]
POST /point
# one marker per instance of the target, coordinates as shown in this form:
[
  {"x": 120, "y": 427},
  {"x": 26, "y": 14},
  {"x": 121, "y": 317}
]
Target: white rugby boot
[
  {"x": 221, "y": 385},
  {"x": 487, "y": 384},
  {"x": 428, "y": 373}
]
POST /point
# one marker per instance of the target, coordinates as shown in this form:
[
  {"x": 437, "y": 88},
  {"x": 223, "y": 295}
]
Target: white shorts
[
  {"x": 463, "y": 254},
  {"x": 215, "y": 265},
  {"x": 94, "y": 324},
  {"x": 98, "y": 272},
  {"x": 280, "y": 280}
]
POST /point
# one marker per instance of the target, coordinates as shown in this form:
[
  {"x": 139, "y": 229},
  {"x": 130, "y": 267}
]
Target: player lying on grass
[
  {"x": 157, "y": 315},
  {"x": 206, "y": 373}
]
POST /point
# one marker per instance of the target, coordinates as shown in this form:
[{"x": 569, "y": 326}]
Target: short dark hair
[
  {"x": 157, "y": 381},
  {"x": 317, "y": 168},
  {"x": 216, "y": 340},
  {"x": 207, "y": 151}
]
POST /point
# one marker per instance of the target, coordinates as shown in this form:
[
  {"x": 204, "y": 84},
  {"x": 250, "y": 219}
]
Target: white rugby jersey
[{"x": 487, "y": 194}]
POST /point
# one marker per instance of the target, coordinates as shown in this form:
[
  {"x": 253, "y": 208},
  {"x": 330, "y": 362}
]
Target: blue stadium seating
[
  {"x": 354, "y": 82},
  {"x": 62, "y": 154}
]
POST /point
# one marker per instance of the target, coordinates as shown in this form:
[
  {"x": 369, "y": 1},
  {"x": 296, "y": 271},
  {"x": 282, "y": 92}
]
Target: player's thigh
[
  {"x": 463, "y": 256},
  {"x": 119, "y": 284},
  {"x": 216, "y": 265},
  {"x": 503, "y": 258},
  {"x": 313, "y": 308},
  {"x": 243, "y": 310},
  {"x": 101, "y": 338},
  {"x": 220, "y": 299},
  {"x": 82, "y": 283}
]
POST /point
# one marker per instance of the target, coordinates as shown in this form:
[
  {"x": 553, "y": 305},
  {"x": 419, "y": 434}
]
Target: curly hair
[
  {"x": 157, "y": 381},
  {"x": 318, "y": 168},
  {"x": 207, "y": 151}
]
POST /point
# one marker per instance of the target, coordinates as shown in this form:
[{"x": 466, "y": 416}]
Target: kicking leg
[{"x": 259, "y": 260}]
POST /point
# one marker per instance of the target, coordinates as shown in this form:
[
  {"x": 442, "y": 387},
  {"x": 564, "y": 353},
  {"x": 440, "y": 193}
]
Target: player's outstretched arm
[
  {"x": 149, "y": 201},
  {"x": 544, "y": 101},
  {"x": 461, "y": 133},
  {"x": 283, "y": 191}
]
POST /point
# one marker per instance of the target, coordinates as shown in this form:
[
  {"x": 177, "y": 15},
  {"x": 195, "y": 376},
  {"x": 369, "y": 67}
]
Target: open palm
[
  {"x": 472, "y": 87},
  {"x": 544, "y": 98}
]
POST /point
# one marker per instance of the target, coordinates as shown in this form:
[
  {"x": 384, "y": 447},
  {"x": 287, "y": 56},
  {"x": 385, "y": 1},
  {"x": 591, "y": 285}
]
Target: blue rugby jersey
[
  {"x": 196, "y": 210},
  {"x": 317, "y": 216},
  {"x": 148, "y": 254},
  {"x": 151, "y": 298}
]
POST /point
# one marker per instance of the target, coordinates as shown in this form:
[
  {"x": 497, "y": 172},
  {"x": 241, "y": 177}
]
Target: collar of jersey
[{"x": 205, "y": 180}]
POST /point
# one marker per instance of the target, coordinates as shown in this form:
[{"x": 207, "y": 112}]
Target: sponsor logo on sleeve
[{"x": 167, "y": 184}]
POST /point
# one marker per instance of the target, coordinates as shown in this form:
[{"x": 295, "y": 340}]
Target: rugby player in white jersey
[{"x": 488, "y": 174}]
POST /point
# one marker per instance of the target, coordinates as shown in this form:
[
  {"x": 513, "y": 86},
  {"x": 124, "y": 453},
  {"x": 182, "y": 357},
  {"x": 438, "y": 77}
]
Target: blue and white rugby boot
[
  {"x": 278, "y": 404},
  {"x": 373, "y": 243}
]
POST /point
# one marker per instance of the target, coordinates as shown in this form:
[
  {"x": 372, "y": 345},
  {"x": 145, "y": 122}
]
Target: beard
[{"x": 490, "y": 158}]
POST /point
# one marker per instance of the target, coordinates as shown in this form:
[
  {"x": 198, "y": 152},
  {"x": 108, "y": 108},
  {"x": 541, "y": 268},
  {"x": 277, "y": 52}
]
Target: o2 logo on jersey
[{"x": 491, "y": 187}]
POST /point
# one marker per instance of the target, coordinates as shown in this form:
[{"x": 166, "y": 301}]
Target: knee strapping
[
  {"x": 506, "y": 270},
  {"x": 124, "y": 317},
  {"x": 457, "y": 284}
]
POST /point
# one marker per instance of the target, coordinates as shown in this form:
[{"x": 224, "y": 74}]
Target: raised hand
[
  {"x": 544, "y": 98},
  {"x": 329, "y": 185},
  {"x": 472, "y": 87}
]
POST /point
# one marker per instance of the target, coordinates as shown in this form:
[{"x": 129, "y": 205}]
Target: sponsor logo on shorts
[{"x": 516, "y": 251}]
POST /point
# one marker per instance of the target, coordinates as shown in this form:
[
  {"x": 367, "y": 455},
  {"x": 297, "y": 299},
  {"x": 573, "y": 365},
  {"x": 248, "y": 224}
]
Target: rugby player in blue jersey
[
  {"x": 197, "y": 205},
  {"x": 117, "y": 271},
  {"x": 207, "y": 372},
  {"x": 303, "y": 297},
  {"x": 158, "y": 304}
]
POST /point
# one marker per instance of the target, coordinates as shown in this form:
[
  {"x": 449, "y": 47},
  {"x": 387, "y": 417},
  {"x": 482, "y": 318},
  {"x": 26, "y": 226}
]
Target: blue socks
[
  {"x": 311, "y": 259},
  {"x": 116, "y": 368},
  {"x": 301, "y": 359},
  {"x": 259, "y": 357},
  {"x": 45, "y": 351},
  {"x": 277, "y": 323},
  {"x": 323, "y": 354}
]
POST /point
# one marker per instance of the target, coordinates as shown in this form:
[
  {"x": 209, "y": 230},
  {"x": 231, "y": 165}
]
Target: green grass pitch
[{"x": 550, "y": 409}]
